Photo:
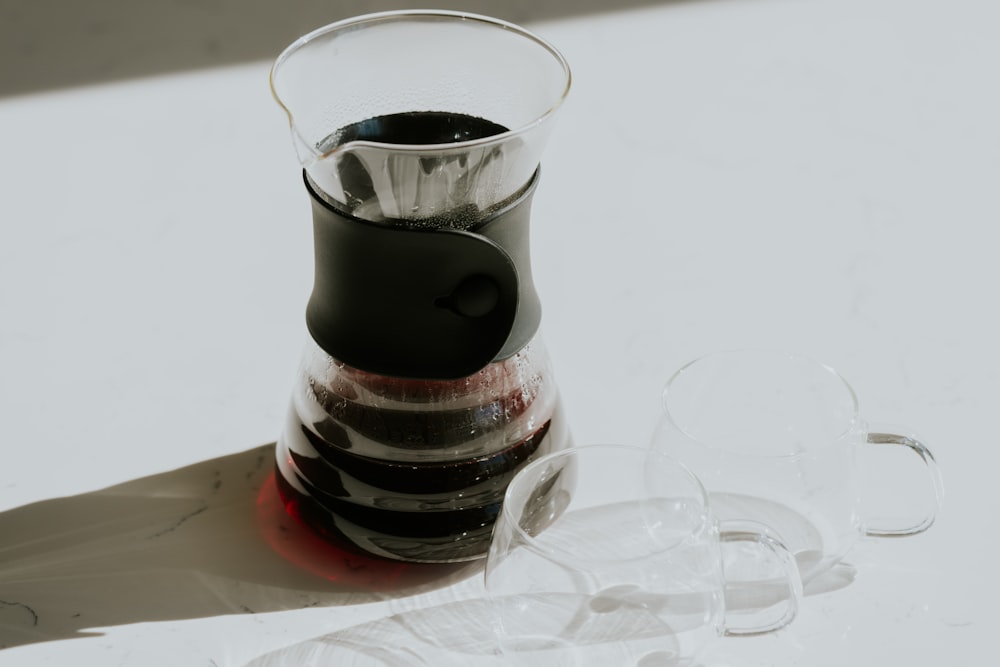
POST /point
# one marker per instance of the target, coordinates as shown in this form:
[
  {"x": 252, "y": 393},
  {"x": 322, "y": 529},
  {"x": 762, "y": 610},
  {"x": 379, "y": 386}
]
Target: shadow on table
[
  {"x": 465, "y": 633},
  {"x": 205, "y": 540},
  {"x": 47, "y": 44},
  {"x": 626, "y": 628}
]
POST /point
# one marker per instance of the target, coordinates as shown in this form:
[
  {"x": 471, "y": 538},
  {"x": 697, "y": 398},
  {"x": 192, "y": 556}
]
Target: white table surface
[{"x": 819, "y": 176}]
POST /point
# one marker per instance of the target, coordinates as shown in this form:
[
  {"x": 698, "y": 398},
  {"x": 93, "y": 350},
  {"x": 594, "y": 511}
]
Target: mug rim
[
  {"x": 851, "y": 426},
  {"x": 707, "y": 519}
]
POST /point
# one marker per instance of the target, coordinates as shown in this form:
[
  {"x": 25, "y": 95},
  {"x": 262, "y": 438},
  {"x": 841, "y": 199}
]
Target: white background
[{"x": 818, "y": 176}]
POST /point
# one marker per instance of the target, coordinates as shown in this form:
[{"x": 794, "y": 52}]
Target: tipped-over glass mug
[
  {"x": 612, "y": 555},
  {"x": 779, "y": 438},
  {"x": 425, "y": 384}
]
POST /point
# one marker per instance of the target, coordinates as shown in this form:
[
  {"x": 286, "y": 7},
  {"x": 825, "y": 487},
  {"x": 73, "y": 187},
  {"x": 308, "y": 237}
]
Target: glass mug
[
  {"x": 779, "y": 439},
  {"x": 611, "y": 555}
]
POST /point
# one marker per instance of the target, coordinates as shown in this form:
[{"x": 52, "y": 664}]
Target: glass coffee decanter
[{"x": 425, "y": 385}]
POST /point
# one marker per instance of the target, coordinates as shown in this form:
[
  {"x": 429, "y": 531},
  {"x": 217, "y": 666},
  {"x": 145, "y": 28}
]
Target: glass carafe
[{"x": 425, "y": 384}]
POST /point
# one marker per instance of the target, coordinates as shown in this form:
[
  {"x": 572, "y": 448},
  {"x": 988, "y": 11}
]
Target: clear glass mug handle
[
  {"x": 886, "y": 436},
  {"x": 763, "y": 586}
]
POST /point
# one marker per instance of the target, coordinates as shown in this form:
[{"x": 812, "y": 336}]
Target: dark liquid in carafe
[
  {"x": 427, "y": 511},
  {"x": 415, "y": 128},
  {"x": 395, "y": 471},
  {"x": 454, "y": 172},
  {"x": 421, "y": 481}
]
